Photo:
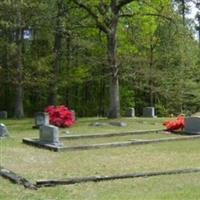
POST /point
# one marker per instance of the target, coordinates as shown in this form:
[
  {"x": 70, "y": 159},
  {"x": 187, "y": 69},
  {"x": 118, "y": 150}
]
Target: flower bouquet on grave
[
  {"x": 60, "y": 116},
  {"x": 175, "y": 124}
]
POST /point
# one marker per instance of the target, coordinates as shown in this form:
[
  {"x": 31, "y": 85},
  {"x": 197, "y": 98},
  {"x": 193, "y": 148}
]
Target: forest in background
[{"x": 98, "y": 57}]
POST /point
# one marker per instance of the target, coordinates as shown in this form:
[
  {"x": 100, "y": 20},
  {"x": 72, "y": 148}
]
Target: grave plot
[
  {"x": 122, "y": 138},
  {"x": 49, "y": 139}
]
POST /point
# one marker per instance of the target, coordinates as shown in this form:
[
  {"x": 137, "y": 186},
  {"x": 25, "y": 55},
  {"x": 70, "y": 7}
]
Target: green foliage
[{"x": 158, "y": 57}]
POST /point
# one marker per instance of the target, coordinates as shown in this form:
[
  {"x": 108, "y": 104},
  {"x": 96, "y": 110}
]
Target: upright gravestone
[
  {"x": 3, "y": 114},
  {"x": 49, "y": 134},
  {"x": 73, "y": 115},
  {"x": 130, "y": 112},
  {"x": 41, "y": 118},
  {"x": 192, "y": 125},
  {"x": 3, "y": 130},
  {"x": 149, "y": 112}
]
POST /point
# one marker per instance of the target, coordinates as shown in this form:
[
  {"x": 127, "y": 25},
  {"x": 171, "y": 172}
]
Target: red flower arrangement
[
  {"x": 175, "y": 124},
  {"x": 60, "y": 116}
]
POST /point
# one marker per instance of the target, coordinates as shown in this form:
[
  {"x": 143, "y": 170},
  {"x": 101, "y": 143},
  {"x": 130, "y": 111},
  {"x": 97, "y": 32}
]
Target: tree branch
[
  {"x": 147, "y": 14},
  {"x": 153, "y": 15},
  {"x": 99, "y": 24},
  {"x": 122, "y": 3}
]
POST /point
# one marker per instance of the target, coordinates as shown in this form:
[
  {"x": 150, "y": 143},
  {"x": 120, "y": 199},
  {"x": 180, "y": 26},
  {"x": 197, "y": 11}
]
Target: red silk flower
[
  {"x": 60, "y": 116},
  {"x": 175, "y": 124}
]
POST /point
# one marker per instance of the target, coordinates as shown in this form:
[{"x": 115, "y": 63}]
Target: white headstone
[{"x": 3, "y": 130}]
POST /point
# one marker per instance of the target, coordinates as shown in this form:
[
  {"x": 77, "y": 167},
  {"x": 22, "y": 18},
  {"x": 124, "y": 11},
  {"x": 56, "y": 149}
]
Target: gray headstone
[
  {"x": 149, "y": 112},
  {"x": 3, "y": 130},
  {"x": 41, "y": 118},
  {"x": 121, "y": 124},
  {"x": 73, "y": 115},
  {"x": 192, "y": 125},
  {"x": 49, "y": 134},
  {"x": 3, "y": 114},
  {"x": 130, "y": 112}
]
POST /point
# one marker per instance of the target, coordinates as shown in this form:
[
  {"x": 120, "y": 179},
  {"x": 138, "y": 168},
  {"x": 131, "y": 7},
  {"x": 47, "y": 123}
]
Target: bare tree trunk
[
  {"x": 114, "y": 107},
  {"x": 151, "y": 76},
  {"x": 19, "y": 110},
  {"x": 183, "y": 7},
  {"x": 56, "y": 66},
  {"x": 57, "y": 52}
]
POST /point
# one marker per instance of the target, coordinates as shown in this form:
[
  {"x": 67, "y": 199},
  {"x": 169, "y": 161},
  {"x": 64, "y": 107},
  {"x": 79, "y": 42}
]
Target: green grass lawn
[{"x": 35, "y": 163}]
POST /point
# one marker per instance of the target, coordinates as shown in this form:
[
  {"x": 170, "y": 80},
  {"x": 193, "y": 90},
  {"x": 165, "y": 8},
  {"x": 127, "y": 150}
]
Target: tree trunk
[
  {"x": 151, "y": 95},
  {"x": 56, "y": 66},
  {"x": 57, "y": 52},
  {"x": 19, "y": 110},
  {"x": 114, "y": 107}
]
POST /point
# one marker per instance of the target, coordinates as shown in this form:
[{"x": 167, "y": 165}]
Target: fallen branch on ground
[{"x": 16, "y": 178}]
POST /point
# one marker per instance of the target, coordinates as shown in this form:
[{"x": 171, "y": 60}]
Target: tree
[{"x": 106, "y": 15}]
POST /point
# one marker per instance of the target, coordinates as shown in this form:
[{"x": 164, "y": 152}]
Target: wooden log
[
  {"x": 127, "y": 143},
  {"x": 68, "y": 181},
  {"x": 16, "y": 178},
  {"x": 101, "y": 135}
]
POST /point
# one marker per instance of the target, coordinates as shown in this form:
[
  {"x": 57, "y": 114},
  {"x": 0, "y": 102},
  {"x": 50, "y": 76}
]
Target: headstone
[
  {"x": 121, "y": 124},
  {"x": 3, "y": 114},
  {"x": 41, "y": 118},
  {"x": 197, "y": 114},
  {"x": 3, "y": 130},
  {"x": 130, "y": 112},
  {"x": 49, "y": 134},
  {"x": 149, "y": 112},
  {"x": 73, "y": 115},
  {"x": 192, "y": 125}
]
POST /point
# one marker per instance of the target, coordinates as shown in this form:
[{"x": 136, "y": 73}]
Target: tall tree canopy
[{"x": 98, "y": 56}]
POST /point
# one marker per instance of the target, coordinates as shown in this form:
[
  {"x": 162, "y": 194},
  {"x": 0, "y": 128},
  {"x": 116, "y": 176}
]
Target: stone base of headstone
[
  {"x": 149, "y": 112},
  {"x": 130, "y": 112},
  {"x": 192, "y": 125},
  {"x": 3, "y": 115},
  {"x": 49, "y": 134}
]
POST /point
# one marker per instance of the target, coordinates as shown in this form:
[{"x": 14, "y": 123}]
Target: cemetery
[
  {"x": 99, "y": 100},
  {"x": 94, "y": 140}
]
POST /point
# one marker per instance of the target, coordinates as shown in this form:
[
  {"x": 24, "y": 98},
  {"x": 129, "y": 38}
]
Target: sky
[{"x": 193, "y": 10}]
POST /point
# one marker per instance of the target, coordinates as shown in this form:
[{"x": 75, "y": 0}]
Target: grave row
[
  {"x": 147, "y": 112},
  {"x": 130, "y": 112}
]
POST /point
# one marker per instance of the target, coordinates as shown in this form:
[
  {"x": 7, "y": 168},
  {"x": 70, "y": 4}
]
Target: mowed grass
[{"x": 35, "y": 164}]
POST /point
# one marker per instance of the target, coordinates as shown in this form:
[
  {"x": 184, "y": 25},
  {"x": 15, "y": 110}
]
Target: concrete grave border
[{"x": 36, "y": 142}]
